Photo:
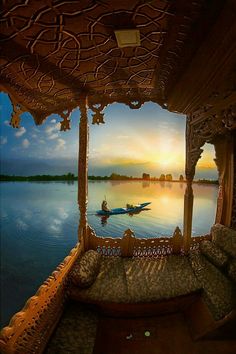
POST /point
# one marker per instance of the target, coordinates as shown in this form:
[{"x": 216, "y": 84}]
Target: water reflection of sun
[{"x": 164, "y": 200}]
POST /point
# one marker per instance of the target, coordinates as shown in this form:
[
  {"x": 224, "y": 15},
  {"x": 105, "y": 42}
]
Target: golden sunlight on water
[{"x": 165, "y": 211}]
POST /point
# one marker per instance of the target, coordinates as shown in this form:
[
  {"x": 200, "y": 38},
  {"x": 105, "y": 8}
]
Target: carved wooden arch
[
  {"x": 201, "y": 129},
  {"x": 96, "y": 108}
]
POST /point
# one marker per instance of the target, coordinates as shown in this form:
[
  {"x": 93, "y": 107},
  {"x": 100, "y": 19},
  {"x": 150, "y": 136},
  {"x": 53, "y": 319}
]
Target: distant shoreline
[{"x": 71, "y": 178}]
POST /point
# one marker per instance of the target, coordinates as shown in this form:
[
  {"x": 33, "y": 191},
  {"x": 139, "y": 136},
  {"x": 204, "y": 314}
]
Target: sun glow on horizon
[
  {"x": 149, "y": 140},
  {"x": 131, "y": 142}
]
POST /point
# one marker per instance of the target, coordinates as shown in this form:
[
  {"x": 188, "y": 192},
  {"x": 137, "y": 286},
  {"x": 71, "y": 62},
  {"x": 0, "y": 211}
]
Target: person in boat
[
  {"x": 104, "y": 206},
  {"x": 130, "y": 206}
]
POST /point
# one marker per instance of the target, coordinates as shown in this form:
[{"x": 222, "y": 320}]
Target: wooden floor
[{"x": 167, "y": 334}]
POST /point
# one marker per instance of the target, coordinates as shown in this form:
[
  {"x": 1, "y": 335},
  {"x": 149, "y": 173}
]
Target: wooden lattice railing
[
  {"x": 30, "y": 329},
  {"x": 130, "y": 246}
]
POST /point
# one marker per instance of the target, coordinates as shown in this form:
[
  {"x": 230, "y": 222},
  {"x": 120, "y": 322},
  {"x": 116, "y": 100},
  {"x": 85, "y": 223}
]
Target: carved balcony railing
[
  {"x": 30, "y": 329},
  {"x": 130, "y": 246}
]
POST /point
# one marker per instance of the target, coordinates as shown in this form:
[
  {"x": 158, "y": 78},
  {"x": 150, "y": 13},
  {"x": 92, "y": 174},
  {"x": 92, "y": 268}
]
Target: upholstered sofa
[
  {"x": 215, "y": 269},
  {"x": 147, "y": 280},
  {"x": 138, "y": 280}
]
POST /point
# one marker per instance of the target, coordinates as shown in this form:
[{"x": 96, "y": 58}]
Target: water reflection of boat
[
  {"x": 127, "y": 210},
  {"x": 104, "y": 219}
]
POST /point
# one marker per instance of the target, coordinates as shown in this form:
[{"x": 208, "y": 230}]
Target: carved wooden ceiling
[{"x": 56, "y": 52}]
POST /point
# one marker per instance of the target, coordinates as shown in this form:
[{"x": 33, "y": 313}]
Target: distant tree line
[
  {"x": 167, "y": 177},
  {"x": 113, "y": 177},
  {"x": 68, "y": 177}
]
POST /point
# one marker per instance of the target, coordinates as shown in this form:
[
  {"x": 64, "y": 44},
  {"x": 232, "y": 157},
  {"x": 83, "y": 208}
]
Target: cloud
[
  {"x": 36, "y": 130},
  {"x": 6, "y": 122},
  {"x": 62, "y": 213},
  {"x": 3, "y": 140},
  {"x": 21, "y": 224},
  {"x": 51, "y": 129},
  {"x": 20, "y": 132},
  {"x": 53, "y": 121},
  {"x": 55, "y": 225},
  {"x": 25, "y": 143},
  {"x": 53, "y": 136},
  {"x": 60, "y": 144}
]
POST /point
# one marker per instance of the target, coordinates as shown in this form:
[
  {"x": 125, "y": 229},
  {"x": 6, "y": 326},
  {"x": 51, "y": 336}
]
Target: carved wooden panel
[
  {"x": 233, "y": 219},
  {"x": 201, "y": 129},
  {"x": 30, "y": 329},
  {"x": 55, "y": 52}
]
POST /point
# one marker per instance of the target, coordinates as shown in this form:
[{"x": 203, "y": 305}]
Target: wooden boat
[
  {"x": 117, "y": 211},
  {"x": 60, "y": 55}
]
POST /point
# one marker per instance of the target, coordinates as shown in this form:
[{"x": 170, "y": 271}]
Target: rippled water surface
[{"x": 39, "y": 225}]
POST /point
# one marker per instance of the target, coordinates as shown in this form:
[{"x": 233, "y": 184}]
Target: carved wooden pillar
[
  {"x": 188, "y": 215},
  {"x": 193, "y": 153},
  {"x": 225, "y": 164},
  {"x": 83, "y": 171}
]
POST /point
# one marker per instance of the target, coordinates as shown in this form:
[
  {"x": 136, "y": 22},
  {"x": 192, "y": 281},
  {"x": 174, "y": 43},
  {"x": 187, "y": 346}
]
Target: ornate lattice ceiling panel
[{"x": 54, "y": 53}]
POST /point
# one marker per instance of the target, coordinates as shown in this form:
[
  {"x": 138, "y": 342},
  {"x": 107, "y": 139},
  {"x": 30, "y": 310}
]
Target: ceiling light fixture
[{"x": 128, "y": 38}]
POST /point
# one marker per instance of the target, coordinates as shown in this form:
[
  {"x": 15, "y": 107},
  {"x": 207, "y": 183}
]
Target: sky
[{"x": 131, "y": 142}]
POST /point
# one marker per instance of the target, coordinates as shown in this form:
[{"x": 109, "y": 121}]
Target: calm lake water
[{"x": 39, "y": 224}]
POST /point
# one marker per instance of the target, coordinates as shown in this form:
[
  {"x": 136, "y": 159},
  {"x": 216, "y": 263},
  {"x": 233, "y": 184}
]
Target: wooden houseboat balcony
[{"x": 129, "y": 295}]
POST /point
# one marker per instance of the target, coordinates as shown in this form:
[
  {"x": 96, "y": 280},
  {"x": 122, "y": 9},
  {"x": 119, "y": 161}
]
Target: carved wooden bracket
[
  {"x": 15, "y": 117},
  {"x": 136, "y": 104},
  {"x": 193, "y": 150},
  {"x": 65, "y": 124},
  {"x": 98, "y": 116}
]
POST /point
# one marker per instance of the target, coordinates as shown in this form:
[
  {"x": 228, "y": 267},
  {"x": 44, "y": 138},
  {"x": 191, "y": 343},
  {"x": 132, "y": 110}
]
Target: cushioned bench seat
[
  {"x": 134, "y": 280},
  {"x": 218, "y": 291}
]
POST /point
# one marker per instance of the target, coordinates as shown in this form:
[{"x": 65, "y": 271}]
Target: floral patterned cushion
[
  {"x": 213, "y": 253},
  {"x": 232, "y": 270},
  {"x": 110, "y": 284},
  {"x": 85, "y": 269},
  {"x": 157, "y": 279},
  {"x": 225, "y": 238},
  {"x": 218, "y": 291}
]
